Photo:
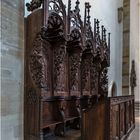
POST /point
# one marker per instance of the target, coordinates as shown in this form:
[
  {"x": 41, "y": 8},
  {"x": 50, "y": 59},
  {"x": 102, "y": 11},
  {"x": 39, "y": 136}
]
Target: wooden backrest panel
[
  {"x": 94, "y": 122},
  {"x": 121, "y": 116},
  {"x": 31, "y": 105}
]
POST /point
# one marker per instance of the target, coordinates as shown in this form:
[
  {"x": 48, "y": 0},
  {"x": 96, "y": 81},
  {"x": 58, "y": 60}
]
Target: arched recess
[
  {"x": 55, "y": 32},
  {"x": 74, "y": 49},
  {"x": 112, "y": 89}
]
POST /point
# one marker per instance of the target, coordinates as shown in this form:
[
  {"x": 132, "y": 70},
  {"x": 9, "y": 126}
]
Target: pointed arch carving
[
  {"x": 38, "y": 63},
  {"x": 74, "y": 48}
]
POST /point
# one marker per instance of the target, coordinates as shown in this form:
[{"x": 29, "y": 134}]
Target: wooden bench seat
[
  {"x": 57, "y": 111},
  {"x": 49, "y": 124},
  {"x": 52, "y": 117},
  {"x": 70, "y": 118},
  {"x": 71, "y": 112}
]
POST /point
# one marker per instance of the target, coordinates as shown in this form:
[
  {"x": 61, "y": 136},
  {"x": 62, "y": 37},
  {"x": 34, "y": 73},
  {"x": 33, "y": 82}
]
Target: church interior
[{"x": 70, "y": 69}]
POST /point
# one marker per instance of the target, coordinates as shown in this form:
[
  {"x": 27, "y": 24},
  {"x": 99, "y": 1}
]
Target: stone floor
[
  {"x": 135, "y": 135},
  {"x": 75, "y": 135},
  {"x": 71, "y": 135}
]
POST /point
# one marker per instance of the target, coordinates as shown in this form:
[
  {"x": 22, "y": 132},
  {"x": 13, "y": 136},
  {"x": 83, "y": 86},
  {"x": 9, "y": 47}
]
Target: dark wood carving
[
  {"x": 32, "y": 97},
  {"x": 66, "y": 76},
  {"x": 74, "y": 18},
  {"x": 74, "y": 49},
  {"x": 59, "y": 69},
  {"x": 54, "y": 31},
  {"x": 34, "y": 4},
  {"x": 74, "y": 77},
  {"x": 38, "y": 63},
  {"x": 104, "y": 80},
  {"x": 57, "y": 6},
  {"x": 85, "y": 72}
]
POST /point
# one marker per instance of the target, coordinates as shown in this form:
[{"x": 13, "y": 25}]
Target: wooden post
[{"x": 46, "y": 11}]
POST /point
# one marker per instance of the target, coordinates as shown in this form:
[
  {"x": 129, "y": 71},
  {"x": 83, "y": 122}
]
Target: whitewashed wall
[
  {"x": 139, "y": 52},
  {"x": 135, "y": 41}
]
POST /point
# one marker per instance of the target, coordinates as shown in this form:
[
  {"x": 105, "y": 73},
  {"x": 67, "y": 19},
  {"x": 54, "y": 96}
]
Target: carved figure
[{"x": 133, "y": 83}]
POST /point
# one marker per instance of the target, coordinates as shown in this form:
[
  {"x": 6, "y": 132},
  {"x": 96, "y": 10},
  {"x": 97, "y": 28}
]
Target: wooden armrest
[
  {"x": 79, "y": 111},
  {"x": 49, "y": 123},
  {"x": 62, "y": 113},
  {"x": 71, "y": 118}
]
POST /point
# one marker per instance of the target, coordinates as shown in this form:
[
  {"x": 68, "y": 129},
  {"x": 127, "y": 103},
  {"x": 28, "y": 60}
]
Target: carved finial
[
  {"x": 104, "y": 34},
  {"x": 77, "y": 3},
  {"x": 85, "y": 17},
  {"x": 95, "y": 27},
  {"x": 77, "y": 6},
  {"x": 87, "y": 22},
  {"x": 69, "y": 14},
  {"x": 69, "y": 6},
  {"x": 108, "y": 48},
  {"x": 98, "y": 27},
  {"x": 87, "y": 8},
  {"x": 34, "y": 4},
  {"x": 109, "y": 40}
]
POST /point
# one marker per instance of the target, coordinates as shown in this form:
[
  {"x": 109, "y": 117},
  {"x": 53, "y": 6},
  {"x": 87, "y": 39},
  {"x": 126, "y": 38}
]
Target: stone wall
[
  {"x": 12, "y": 69},
  {"x": 135, "y": 42},
  {"x": 126, "y": 47}
]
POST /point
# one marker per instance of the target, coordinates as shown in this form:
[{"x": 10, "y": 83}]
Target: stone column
[
  {"x": 135, "y": 46},
  {"x": 126, "y": 47},
  {"x": 12, "y": 69},
  {"x": 134, "y": 42}
]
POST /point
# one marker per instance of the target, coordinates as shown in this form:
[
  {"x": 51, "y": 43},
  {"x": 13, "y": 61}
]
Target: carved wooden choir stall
[{"x": 66, "y": 83}]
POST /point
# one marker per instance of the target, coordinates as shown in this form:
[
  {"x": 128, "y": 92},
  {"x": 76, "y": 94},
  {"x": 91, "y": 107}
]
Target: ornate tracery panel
[
  {"x": 86, "y": 72},
  {"x": 55, "y": 34},
  {"x": 74, "y": 48},
  {"x": 39, "y": 64},
  {"x": 59, "y": 69},
  {"x": 74, "y": 62}
]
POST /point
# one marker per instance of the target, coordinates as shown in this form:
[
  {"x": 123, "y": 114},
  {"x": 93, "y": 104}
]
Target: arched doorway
[{"x": 112, "y": 89}]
